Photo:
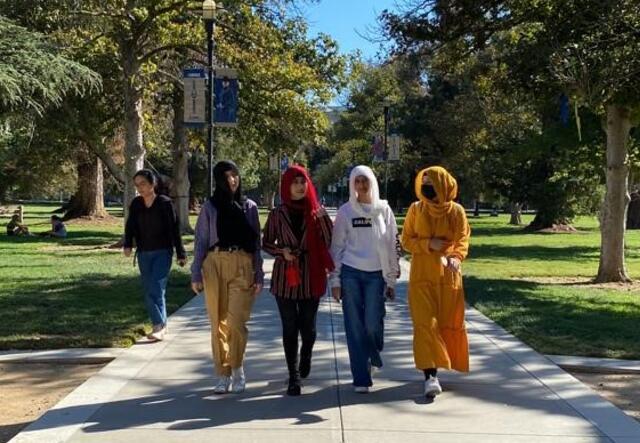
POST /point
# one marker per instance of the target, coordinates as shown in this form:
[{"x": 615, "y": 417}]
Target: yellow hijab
[{"x": 446, "y": 189}]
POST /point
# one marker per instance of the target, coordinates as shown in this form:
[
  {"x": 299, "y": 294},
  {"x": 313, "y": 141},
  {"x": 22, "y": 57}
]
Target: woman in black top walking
[{"x": 154, "y": 225}]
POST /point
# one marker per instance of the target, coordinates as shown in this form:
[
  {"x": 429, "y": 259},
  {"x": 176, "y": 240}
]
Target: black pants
[{"x": 298, "y": 317}]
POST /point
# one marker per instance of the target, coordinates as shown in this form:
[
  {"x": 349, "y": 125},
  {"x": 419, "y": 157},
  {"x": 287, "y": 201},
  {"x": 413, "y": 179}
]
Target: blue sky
[{"x": 344, "y": 19}]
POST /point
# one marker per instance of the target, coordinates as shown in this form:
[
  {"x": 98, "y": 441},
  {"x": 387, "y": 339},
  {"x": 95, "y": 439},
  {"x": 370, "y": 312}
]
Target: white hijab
[{"x": 377, "y": 212}]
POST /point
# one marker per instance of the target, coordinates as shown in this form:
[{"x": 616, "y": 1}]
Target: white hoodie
[{"x": 364, "y": 235}]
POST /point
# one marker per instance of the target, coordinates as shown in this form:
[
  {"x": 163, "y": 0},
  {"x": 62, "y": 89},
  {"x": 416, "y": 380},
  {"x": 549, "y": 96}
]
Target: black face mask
[{"x": 428, "y": 191}]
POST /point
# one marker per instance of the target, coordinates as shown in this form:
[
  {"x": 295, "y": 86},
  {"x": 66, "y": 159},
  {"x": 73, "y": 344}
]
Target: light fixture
[{"x": 208, "y": 9}]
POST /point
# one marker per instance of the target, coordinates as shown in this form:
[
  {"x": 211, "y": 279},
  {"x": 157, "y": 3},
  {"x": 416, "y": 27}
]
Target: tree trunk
[
  {"x": 545, "y": 221},
  {"x": 88, "y": 201},
  {"x": 269, "y": 199},
  {"x": 516, "y": 214},
  {"x": 181, "y": 157},
  {"x": 134, "y": 151},
  {"x": 612, "y": 221}
]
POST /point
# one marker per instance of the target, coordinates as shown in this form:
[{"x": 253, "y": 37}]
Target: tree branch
[
  {"x": 100, "y": 14},
  {"x": 116, "y": 171},
  {"x": 145, "y": 57}
]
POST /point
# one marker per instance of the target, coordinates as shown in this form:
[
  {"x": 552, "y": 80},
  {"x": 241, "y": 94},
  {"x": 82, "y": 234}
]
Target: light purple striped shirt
[{"x": 207, "y": 237}]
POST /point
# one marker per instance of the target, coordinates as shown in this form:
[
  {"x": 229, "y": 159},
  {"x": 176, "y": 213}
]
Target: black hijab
[
  {"x": 232, "y": 224},
  {"x": 222, "y": 196}
]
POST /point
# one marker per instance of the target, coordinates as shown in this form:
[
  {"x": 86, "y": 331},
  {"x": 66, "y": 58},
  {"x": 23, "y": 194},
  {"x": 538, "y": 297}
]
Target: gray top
[{"x": 207, "y": 236}]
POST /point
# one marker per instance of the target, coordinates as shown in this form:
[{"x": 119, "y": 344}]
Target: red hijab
[{"x": 320, "y": 261}]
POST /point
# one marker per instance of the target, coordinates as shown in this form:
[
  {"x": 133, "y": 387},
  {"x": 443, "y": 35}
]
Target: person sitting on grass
[
  {"x": 14, "y": 227},
  {"x": 58, "y": 229}
]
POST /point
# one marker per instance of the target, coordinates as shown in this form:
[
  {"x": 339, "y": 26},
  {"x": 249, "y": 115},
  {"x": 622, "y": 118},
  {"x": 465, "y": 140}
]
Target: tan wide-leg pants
[{"x": 228, "y": 288}]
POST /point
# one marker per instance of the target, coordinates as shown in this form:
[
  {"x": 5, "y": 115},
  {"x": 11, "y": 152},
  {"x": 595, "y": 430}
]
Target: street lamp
[
  {"x": 386, "y": 110},
  {"x": 209, "y": 15}
]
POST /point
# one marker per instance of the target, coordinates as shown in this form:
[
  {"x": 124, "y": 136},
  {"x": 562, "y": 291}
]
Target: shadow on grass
[
  {"x": 509, "y": 230},
  {"x": 531, "y": 252},
  {"x": 492, "y": 231},
  {"x": 97, "y": 310},
  {"x": 559, "y": 320},
  {"x": 74, "y": 238}
]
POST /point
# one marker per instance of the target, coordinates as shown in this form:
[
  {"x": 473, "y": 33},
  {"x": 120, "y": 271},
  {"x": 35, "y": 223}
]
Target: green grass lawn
[
  {"x": 76, "y": 292},
  {"x": 527, "y": 283},
  {"x": 73, "y": 292}
]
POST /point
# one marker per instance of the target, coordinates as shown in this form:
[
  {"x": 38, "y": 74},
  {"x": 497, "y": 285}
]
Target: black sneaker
[
  {"x": 305, "y": 365},
  {"x": 294, "y": 389}
]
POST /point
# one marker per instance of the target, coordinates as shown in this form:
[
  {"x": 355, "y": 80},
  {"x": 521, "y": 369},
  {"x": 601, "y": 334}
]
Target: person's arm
[
  {"x": 411, "y": 241},
  {"x": 270, "y": 235},
  {"x": 326, "y": 227},
  {"x": 391, "y": 238},
  {"x": 174, "y": 224},
  {"x": 338, "y": 245},
  {"x": 460, "y": 246},
  {"x": 129, "y": 227},
  {"x": 257, "y": 256},
  {"x": 201, "y": 244}
]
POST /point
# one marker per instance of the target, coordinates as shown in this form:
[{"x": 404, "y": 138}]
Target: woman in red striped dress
[{"x": 298, "y": 235}]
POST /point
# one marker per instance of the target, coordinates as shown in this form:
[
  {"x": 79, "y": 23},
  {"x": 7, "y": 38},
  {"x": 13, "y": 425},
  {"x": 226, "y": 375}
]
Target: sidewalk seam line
[{"x": 335, "y": 365}]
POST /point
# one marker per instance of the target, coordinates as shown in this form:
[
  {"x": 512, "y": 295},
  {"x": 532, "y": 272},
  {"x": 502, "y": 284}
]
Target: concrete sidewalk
[{"x": 163, "y": 392}]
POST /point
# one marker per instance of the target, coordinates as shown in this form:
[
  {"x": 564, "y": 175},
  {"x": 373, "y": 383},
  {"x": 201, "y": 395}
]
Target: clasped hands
[{"x": 440, "y": 244}]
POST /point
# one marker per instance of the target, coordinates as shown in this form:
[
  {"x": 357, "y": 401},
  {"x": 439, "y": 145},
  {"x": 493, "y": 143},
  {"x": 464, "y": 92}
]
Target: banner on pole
[
  {"x": 195, "y": 97},
  {"x": 284, "y": 163},
  {"x": 394, "y": 147},
  {"x": 377, "y": 148},
  {"x": 226, "y": 90}
]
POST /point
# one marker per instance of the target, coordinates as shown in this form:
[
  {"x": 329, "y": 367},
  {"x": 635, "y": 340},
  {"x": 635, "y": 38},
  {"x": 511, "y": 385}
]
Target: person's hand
[
  {"x": 390, "y": 293},
  {"x": 453, "y": 264},
  {"x": 257, "y": 287},
  {"x": 336, "y": 293},
  {"x": 438, "y": 244},
  {"x": 127, "y": 252},
  {"x": 197, "y": 287},
  {"x": 182, "y": 261},
  {"x": 288, "y": 256}
]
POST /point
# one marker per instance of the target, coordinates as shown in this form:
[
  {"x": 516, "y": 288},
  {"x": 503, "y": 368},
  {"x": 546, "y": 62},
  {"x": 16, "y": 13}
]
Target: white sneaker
[
  {"x": 157, "y": 334},
  {"x": 361, "y": 389},
  {"x": 432, "y": 387},
  {"x": 223, "y": 386},
  {"x": 238, "y": 380}
]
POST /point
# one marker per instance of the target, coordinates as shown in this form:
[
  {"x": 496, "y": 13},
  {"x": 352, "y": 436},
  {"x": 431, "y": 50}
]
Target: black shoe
[
  {"x": 305, "y": 365},
  {"x": 294, "y": 388}
]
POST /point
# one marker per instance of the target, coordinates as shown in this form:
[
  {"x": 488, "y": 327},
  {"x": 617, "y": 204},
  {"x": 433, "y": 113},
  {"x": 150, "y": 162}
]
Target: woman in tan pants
[{"x": 228, "y": 267}]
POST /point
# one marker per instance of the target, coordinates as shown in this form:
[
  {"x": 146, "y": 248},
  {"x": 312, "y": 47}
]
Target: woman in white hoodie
[{"x": 363, "y": 248}]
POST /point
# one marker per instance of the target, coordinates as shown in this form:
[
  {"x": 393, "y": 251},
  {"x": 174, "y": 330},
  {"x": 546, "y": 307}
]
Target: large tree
[
  {"x": 586, "y": 48},
  {"x": 137, "y": 45},
  {"x": 34, "y": 74}
]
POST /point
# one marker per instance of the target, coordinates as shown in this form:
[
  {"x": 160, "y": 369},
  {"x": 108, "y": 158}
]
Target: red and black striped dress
[{"x": 278, "y": 234}]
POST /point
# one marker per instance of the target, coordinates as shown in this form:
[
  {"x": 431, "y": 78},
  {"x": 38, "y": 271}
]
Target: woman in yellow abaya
[{"x": 436, "y": 233}]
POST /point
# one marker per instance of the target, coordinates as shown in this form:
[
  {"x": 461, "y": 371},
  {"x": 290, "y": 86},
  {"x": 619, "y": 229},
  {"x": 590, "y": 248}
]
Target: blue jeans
[
  {"x": 363, "y": 309},
  {"x": 154, "y": 271}
]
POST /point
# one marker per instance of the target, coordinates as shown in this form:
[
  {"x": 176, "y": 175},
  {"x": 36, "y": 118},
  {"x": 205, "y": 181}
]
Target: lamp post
[
  {"x": 209, "y": 15},
  {"x": 386, "y": 107}
]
